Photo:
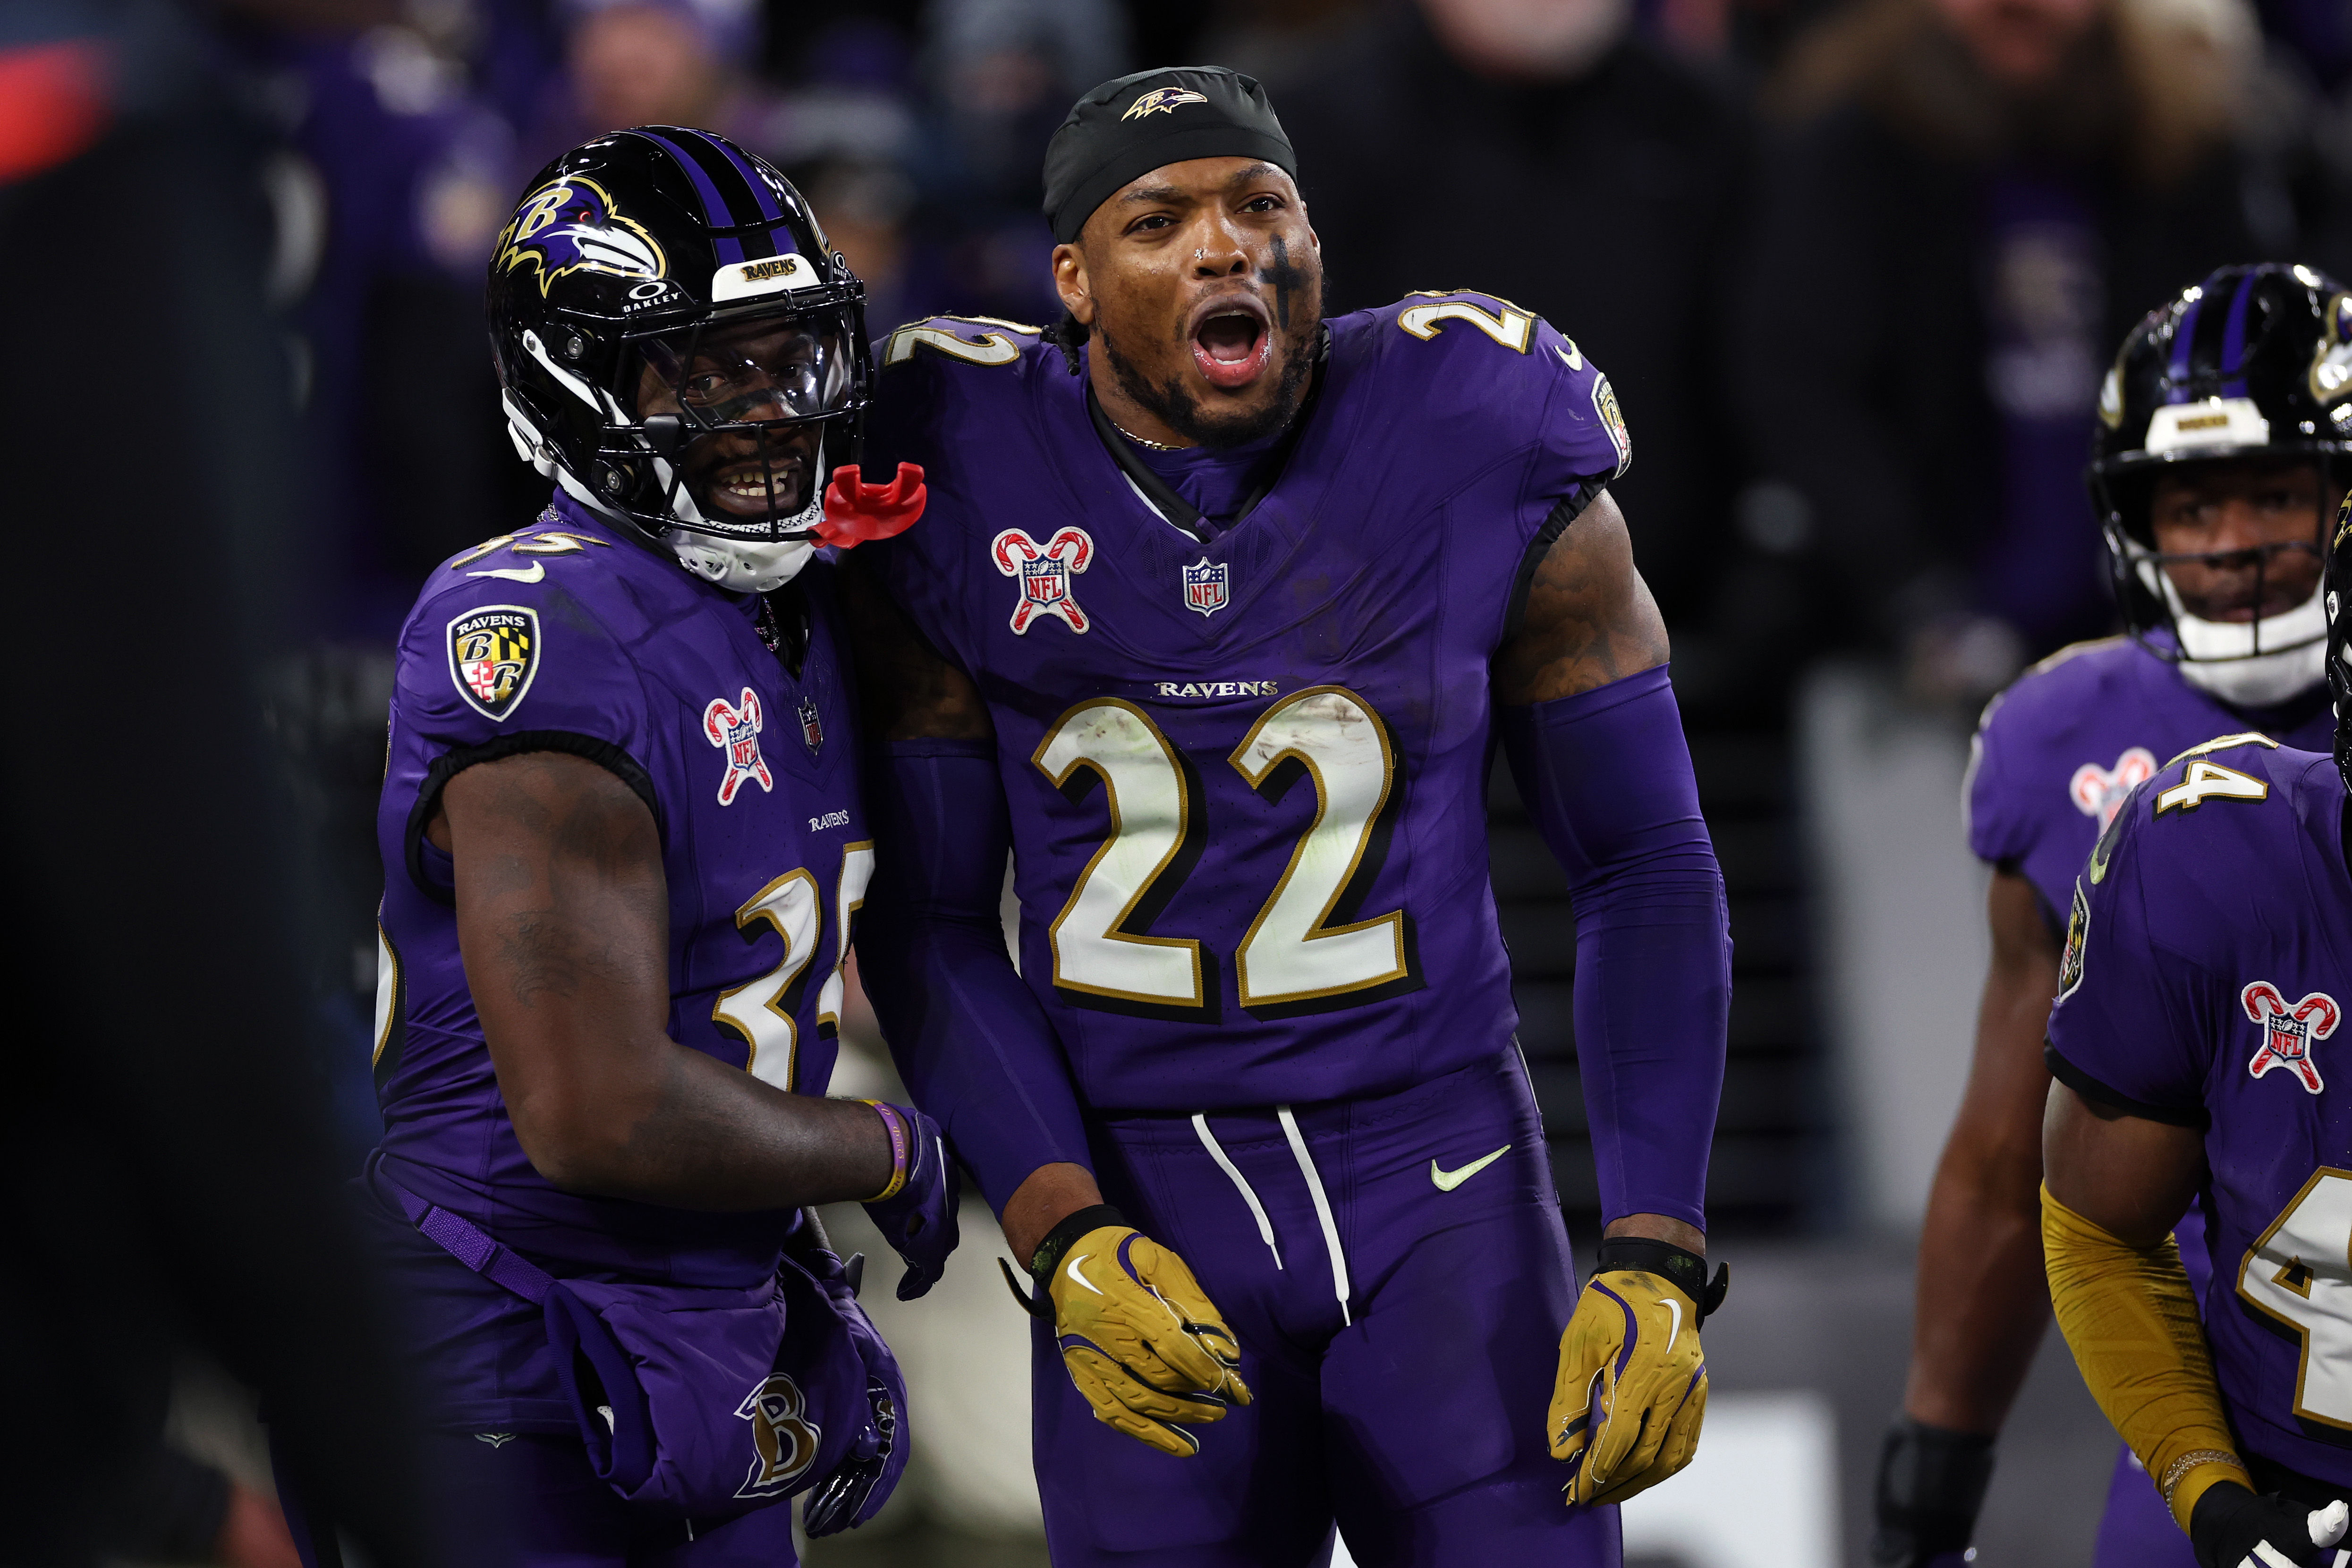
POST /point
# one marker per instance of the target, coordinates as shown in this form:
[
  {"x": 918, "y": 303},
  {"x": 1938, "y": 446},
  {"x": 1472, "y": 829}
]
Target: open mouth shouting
[{"x": 1232, "y": 340}]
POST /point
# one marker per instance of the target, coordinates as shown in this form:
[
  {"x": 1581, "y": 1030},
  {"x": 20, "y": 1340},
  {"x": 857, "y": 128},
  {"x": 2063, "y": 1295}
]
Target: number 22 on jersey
[{"x": 1304, "y": 952}]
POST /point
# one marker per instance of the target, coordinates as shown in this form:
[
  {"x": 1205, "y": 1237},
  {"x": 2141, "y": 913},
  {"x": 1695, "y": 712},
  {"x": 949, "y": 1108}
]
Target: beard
[{"x": 1180, "y": 412}]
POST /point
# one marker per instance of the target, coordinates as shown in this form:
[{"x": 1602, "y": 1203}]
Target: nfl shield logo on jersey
[
  {"x": 735, "y": 728},
  {"x": 1043, "y": 572},
  {"x": 493, "y": 655},
  {"x": 812, "y": 726},
  {"x": 2289, "y": 1030},
  {"x": 1205, "y": 587}
]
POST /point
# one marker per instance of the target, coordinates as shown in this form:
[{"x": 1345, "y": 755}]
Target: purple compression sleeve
[
  {"x": 977, "y": 1052},
  {"x": 1607, "y": 778}
]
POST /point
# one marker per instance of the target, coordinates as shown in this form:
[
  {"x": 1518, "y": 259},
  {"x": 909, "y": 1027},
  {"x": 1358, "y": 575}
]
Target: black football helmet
[
  {"x": 2254, "y": 361},
  {"x": 2338, "y": 593},
  {"x": 678, "y": 345}
]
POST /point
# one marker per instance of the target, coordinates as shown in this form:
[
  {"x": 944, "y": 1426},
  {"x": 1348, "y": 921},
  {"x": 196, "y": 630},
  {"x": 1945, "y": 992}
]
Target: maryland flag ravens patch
[
  {"x": 1612, "y": 420},
  {"x": 2070, "y": 962},
  {"x": 493, "y": 655}
]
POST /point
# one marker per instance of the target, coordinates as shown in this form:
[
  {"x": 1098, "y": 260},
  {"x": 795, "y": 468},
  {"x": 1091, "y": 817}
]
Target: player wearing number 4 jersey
[
  {"x": 1215, "y": 618},
  {"x": 2217, "y": 469},
  {"x": 2197, "y": 1045}
]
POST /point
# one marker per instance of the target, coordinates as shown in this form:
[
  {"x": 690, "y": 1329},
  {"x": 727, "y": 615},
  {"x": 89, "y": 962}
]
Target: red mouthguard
[{"x": 855, "y": 511}]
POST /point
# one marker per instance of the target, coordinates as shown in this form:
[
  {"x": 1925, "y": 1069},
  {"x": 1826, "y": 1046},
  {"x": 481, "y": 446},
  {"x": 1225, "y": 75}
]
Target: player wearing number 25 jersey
[
  {"x": 623, "y": 846},
  {"x": 1220, "y": 600}
]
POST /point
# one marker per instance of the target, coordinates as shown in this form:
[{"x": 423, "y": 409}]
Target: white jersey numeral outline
[
  {"x": 2299, "y": 1273},
  {"x": 760, "y": 1011},
  {"x": 1302, "y": 953},
  {"x": 2206, "y": 781}
]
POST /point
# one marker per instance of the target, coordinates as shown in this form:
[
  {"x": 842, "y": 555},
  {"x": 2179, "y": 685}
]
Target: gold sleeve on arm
[{"x": 2130, "y": 1318}]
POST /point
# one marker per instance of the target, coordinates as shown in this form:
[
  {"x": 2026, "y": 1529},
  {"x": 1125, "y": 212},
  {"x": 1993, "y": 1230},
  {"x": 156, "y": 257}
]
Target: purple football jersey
[
  {"x": 2203, "y": 981},
  {"x": 570, "y": 635},
  {"x": 1246, "y": 773},
  {"x": 2057, "y": 752}
]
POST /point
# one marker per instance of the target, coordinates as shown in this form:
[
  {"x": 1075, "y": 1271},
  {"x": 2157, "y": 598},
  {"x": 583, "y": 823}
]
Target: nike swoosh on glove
[
  {"x": 1632, "y": 1388},
  {"x": 1140, "y": 1339},
  {"x": 855, "y": 511},
  {"x": 2233, "y": 1527},
  {"x": 919, "y": 1221}
]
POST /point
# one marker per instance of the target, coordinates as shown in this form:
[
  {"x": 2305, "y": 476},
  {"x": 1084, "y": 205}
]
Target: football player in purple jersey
[
  {"x": 2219, "y": 425},
  {"x": 2197, "y": 1044},
  {"x": 1217, "y": 615},
  {"x": 623, "y": 844}
]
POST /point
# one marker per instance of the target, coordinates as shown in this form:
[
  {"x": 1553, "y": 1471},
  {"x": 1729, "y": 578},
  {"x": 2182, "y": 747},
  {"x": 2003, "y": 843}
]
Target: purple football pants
[
  {"x": 528, "y": 1501},
  {"x": 1400, "y": 1339},
  {"x": 2137, "y": 1531}
]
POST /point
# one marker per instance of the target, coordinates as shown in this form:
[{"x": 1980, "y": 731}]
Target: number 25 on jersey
[{"x": 1305, "y": 952}]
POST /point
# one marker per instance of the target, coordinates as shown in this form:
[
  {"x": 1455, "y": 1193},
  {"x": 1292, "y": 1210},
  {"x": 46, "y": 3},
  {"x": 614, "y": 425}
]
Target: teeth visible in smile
[{"x": 750, "y": 487}]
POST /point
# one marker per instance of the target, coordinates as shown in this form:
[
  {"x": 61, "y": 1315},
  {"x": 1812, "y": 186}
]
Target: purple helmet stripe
[
  {"x": 715, "y": 211},
  {"x": 2233, "y": 339},
  {"x": 764, "y": 199},
  {"x": 2184, "y": 332}
]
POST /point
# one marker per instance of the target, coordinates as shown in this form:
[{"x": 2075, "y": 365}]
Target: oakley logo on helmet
[
  {"x": 748, "y": 279},
  {"x": 571, "y": 225},
  {"x": 1163, "y": 101},
  {"x": 2216, "y": 422}
]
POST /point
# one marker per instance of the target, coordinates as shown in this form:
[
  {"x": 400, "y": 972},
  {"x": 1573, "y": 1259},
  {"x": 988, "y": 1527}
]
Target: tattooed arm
[
  {"x": 564, "y": 919},
  {"x": 1589, "y": 618},
  {"x": 1588, "y": 722}
]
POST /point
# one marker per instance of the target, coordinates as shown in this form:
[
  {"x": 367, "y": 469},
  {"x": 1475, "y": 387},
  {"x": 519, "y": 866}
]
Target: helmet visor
[
  {"x": 770, "y": 368},
  {"x": 746, "y": 397}
]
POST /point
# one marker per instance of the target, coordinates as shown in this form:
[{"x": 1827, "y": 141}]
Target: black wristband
[
  {"x": 1064, "y": 1236},
  {"x": 1931, "y": 1482},
  {"x": 1678, "y": 1266}
]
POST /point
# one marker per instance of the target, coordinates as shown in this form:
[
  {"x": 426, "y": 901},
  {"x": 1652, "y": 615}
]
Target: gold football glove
[
  {"x": 1141, "y": 1342},
  {"x": 1631, "y": 1393}
]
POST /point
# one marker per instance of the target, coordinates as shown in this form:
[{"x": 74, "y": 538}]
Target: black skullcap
[{"x": 1127, "y": 128}]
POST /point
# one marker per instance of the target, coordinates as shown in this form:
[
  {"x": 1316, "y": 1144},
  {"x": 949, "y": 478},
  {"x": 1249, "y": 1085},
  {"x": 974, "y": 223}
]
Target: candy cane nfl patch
[
  {"x": 2289, "y": 1030},
  {"x": 493, "y": 655},
  {"x": 734, "y": 728},
  {"x": 1043, "y": 572}
]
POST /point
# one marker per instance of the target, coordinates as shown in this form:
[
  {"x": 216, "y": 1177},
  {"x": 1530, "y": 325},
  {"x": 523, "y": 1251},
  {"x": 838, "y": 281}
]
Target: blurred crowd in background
[{"x": 1855, "y": 266}]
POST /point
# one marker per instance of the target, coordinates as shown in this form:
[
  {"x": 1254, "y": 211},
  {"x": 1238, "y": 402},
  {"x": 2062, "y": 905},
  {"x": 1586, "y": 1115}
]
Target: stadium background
[{"x": 1855, "y": 266}]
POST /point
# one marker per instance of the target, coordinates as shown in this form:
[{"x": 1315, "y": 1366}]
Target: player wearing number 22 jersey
[{"x": 1236, "y": 716}]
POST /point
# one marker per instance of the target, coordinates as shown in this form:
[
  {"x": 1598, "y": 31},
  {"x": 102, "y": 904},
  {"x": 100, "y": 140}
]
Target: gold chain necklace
[{"x": 1150, "y": 445}]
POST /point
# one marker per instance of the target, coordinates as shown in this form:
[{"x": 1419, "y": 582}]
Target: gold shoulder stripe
[{"x": 2224, "y": 743}]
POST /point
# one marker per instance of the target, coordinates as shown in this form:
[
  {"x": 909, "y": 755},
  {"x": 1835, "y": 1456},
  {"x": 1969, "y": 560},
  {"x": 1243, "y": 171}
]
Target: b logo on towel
[{"x": 787, "y": 1441}]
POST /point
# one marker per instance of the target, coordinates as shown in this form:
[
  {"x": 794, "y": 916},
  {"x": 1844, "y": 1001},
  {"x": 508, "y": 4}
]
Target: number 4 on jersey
[
  {"x": 2207, "y": 781},
  {"x": 2299, "y": 1275}
]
